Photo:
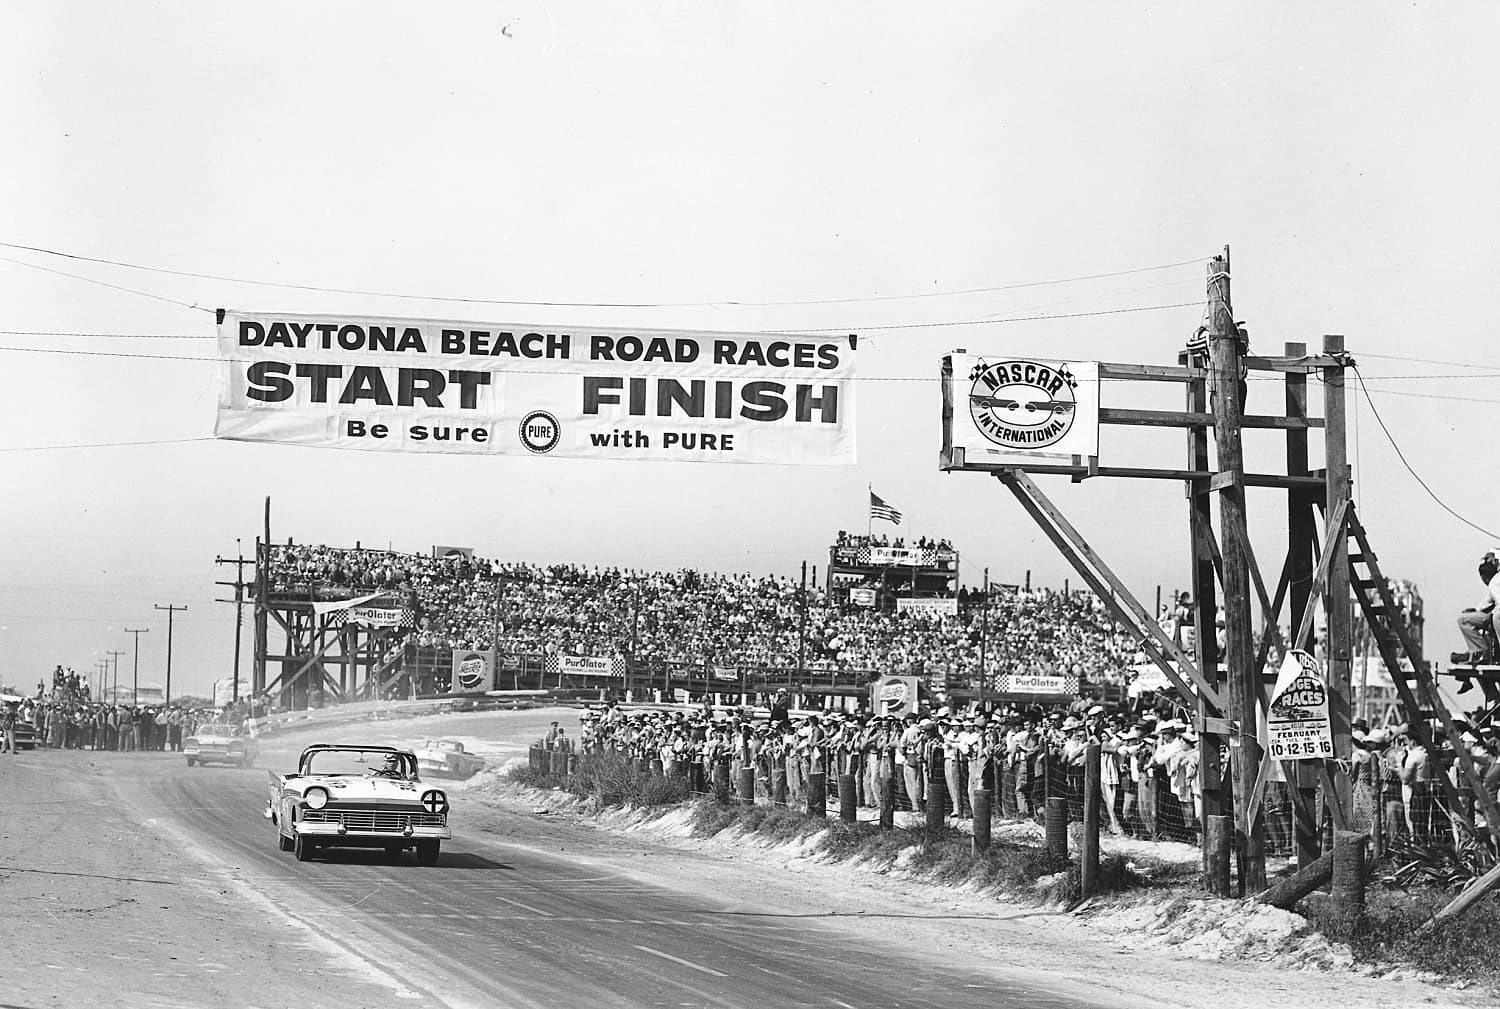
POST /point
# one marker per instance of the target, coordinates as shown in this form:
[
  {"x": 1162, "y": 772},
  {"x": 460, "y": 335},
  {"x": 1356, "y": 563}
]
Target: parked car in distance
[
  {"x": 447, "y": 758},
  {"x": 217, "y": 743}
]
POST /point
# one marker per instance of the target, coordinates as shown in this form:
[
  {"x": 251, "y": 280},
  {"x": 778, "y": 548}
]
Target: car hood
[{"x": 342, "y": 788}]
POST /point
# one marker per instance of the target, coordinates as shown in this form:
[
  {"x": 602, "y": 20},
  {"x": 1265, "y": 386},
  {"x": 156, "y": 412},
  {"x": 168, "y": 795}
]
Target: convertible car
[
  {"x": 447, "y": 758},
  {"x": 345, "y": 796},
  {"x": 222, "y": 744}
]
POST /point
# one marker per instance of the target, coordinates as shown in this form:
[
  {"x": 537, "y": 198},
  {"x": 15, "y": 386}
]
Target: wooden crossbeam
[
  {"x": 1335, "y": 529},
  {"x": 1162, "y": 649}
]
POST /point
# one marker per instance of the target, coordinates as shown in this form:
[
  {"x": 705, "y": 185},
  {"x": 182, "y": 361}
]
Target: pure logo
[
  {"x": 540, "y": 432},
  {"x": 1023, "y": 404}
]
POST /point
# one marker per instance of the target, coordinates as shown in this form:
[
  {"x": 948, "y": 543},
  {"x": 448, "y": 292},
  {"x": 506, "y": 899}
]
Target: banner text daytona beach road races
[{"x": 419, "y": 385}]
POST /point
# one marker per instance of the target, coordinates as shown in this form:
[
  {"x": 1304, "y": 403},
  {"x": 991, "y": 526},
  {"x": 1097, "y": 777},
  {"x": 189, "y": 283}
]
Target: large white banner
[
  {"x": 420, "y": 385},
  {"x": 1016, "y": 407}
]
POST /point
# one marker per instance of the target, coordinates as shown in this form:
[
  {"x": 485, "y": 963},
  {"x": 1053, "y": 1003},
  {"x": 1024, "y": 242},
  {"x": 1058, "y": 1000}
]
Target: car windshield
[
  {"x": 362, "y": 762},
  {"x": 219, "y": 730}
]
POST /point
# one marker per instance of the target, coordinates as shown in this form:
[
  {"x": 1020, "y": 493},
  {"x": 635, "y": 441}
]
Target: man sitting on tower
[{"x": 1479, "y": 624}]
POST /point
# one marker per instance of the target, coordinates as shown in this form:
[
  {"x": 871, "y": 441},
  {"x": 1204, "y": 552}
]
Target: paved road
[{"x": 504, "y": 924}]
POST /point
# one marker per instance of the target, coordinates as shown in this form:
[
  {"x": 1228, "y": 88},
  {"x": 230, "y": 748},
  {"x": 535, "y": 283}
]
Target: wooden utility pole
[
  {"x": 135, "y": 676},
  {"x": 171, "y": 610},
  {"x": 984, "y": 636},
  {"x": 1225, "y": 352},
  {"x": 1205, "y": 606},
  {"x": 114, "y": 655},
  {"x": 1302, "y": 532},
  {"x": 239, "y": 586},
  {"x": 1336, "y": 653}
]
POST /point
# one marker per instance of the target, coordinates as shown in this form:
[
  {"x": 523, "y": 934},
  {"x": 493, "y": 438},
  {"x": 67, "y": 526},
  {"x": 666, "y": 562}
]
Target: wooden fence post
[
  {"x": 887, "y": 803},
  {"x": 1057, "y": 826},
  {"x": 1220, "y": 838},
  {"x": 746, "y": 787},
  {"x": 981, "y": 802},
  {"x": 848, "y": 799},
  {"x": 1091, "y": 802}
]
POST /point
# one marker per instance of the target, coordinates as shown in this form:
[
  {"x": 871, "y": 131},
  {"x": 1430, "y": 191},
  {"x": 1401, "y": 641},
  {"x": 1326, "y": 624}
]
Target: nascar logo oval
[{"x": 1023, "y": 404}]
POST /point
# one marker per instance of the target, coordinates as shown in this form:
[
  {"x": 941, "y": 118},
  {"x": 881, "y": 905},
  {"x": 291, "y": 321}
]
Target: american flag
[{"x": 880, "y": 510}]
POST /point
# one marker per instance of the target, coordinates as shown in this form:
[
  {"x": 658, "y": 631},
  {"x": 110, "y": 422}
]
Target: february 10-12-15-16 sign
[{"x": 419, "y": 385}]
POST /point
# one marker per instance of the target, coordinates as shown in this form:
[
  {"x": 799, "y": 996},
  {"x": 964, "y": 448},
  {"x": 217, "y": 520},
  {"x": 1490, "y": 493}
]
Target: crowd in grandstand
[{"x": 697, "y": 618}]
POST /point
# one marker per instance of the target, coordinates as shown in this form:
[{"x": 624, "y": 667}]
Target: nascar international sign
[
  {"x": 420, "y": 385},
  {"x": 996, "y": 407}
]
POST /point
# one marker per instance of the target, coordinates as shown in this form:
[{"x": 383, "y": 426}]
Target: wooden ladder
[{"x": 1428, "y": 718}]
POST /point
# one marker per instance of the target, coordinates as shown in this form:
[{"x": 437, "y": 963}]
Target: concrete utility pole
[
  {"x": 115, "y": 655},
  {"x": 135, "y": 676},
  {"x": 1225, "y": 352},
  {"x": 170, "y": 610},
  {"x": 239, "y": 584}
]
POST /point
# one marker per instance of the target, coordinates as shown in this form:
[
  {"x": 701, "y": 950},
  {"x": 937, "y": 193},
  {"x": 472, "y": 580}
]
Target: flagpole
[{"x": 870, "y": 512}]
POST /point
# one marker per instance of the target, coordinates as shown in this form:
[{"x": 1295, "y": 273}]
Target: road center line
[
  {"x": 524, "y": 907},
  {"x": 685, "y": 963}
]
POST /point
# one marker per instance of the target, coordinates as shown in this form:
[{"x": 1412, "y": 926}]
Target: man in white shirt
[{"x": 1473, "y": 622}]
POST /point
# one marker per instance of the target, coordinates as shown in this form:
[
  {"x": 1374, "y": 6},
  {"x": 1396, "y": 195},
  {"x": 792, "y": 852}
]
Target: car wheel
[
  {"x": 283, "y": 843},
  {"x": 303, "y": 847},
  {"x": 427, "y": 852},
  {"x": 191, "y": 761}
]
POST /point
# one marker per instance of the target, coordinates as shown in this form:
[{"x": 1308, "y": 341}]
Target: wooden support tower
[{"x": 1230, "y": 691}]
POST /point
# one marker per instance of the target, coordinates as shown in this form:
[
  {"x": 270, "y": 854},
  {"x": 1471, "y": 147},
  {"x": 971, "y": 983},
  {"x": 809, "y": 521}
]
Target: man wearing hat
[{"x": 912, "y": 754}]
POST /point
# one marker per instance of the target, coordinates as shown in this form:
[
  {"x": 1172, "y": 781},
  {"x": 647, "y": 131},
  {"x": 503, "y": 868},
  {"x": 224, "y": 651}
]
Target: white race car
[
  {"x": 447, "y": 758},
  {"x": 218, "y": 743},
  {"x": 345, "y": 796}
]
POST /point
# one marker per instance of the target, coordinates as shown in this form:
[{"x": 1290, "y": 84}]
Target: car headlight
[
  {"x": 434, "y": 801},
  {"x": 316, "y": 798}
]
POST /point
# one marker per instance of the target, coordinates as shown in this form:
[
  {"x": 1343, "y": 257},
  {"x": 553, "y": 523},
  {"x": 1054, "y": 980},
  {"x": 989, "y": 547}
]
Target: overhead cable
[{"x": 592, "y": 304}]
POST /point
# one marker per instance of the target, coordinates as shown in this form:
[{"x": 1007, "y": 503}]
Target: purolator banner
[
  {"x": 420, "y": 385},
  {"x": 1021, "y": 407}
]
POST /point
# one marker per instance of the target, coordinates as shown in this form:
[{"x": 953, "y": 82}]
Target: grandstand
[{"x": 575, "y": 626}]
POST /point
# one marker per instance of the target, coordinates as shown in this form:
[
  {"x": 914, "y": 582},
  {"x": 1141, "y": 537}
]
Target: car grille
[{"x": 375, "y": 819}]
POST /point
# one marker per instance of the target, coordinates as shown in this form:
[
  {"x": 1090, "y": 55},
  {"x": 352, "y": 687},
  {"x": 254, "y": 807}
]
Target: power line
[
  {"x": 103, "y": 283},
  {"x": 585, "y": 304},
  {"x": 1402, "y": 456},
  {"x": 102, "y": 444}
]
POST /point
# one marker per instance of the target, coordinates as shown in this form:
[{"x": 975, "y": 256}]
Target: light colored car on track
[
  {"x": 447, "y": 758},
  {"x": 357, "y": 796},
  {"x": 217, "y": 743}
]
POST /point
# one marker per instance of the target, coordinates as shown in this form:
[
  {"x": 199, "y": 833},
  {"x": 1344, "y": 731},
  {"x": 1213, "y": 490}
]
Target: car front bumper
[{"x": 354, "y": 835}]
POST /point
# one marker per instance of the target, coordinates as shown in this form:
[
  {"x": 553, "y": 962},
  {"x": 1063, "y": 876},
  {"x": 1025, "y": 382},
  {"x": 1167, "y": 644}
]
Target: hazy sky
[{"x": 672, "y": 153}]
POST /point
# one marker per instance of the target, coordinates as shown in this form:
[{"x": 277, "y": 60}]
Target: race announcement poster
[
  {"x": 1297, "y": 725},
  {"x": 1006, "y": 406},
  {"x": 419, "y": 385}
]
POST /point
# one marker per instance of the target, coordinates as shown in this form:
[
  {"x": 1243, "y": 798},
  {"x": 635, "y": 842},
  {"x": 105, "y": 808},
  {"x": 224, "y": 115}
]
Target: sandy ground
[{"x": 105, "y": 909}]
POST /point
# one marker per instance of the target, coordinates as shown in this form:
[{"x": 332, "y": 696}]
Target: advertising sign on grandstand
[
  {"x": 1297, "y": 724},
  {"x": 473, "y": 672},
  {"x": 585, "y": 665},
  {"x": 1037, "y": 686},
  {"x": 894, "y": 695},
  {"x": 452, "y": 552},
  {"x": 726, "y": 672},
  {"x": 928, "y": 607},
  {"x": 421, "y": 385},
  {"x": 1020, "y": 407},
  {"x": 862, "y": 597}
]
